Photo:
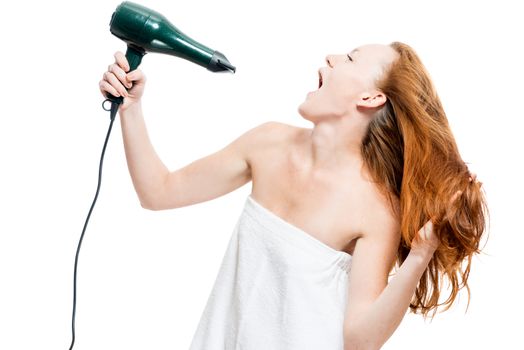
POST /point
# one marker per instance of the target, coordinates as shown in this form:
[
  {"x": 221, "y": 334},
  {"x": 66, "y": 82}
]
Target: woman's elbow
[{"x": 151, "y": 203}]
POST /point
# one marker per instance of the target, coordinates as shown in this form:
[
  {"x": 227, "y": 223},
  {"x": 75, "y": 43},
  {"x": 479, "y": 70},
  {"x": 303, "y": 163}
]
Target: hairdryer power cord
[{"x": 112, "y": 110}]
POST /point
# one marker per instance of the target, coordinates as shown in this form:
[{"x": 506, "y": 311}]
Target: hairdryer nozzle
[{"x": 219, "y": 63}]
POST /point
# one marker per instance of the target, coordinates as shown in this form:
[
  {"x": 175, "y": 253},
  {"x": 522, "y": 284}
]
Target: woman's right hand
[{"x": 117, "y": 78}]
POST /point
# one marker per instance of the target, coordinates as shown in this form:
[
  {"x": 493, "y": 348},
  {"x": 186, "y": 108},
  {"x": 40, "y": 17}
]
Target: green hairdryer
[{"x": 145, "y": 30}]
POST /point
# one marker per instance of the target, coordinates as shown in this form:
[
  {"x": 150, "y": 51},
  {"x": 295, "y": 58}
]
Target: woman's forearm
[
  {"x": 147, "y": 171},
  {"x": 382, "y": 318}
]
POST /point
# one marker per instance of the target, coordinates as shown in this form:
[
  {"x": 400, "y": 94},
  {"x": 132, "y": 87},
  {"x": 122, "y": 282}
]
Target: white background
[{"x": 144, "y": 277}]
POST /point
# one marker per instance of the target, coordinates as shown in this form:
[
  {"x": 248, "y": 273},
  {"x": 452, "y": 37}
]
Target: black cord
[{"x": 112, "y": 110}]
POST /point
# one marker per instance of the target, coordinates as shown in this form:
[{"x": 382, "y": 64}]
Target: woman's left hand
[{"x": 428, "y": 240}]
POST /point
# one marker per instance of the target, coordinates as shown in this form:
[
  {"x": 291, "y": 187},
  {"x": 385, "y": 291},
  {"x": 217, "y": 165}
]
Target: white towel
[{"x": 278, "y": 288}]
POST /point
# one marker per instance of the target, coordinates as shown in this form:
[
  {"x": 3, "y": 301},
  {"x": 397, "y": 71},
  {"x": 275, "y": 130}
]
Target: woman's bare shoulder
[
  {"x": 275, "y": 132},
  {"x": 281, "y": 127},
  {"x": 269, "y": 141}
]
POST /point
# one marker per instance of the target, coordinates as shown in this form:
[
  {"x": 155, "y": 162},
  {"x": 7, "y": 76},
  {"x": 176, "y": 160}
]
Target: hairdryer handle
[{"x": 134, "y": 56}]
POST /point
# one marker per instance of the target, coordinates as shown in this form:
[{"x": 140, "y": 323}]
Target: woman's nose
[{"x": 329, "y": 60}]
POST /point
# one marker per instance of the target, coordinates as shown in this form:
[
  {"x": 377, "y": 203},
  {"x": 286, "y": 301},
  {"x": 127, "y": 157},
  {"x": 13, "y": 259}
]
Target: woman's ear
[{"x": 371, "y": 100}]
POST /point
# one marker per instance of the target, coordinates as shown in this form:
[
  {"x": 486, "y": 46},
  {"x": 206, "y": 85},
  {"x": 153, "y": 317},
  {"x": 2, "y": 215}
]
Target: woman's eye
[{"x": 349, "y": 57}]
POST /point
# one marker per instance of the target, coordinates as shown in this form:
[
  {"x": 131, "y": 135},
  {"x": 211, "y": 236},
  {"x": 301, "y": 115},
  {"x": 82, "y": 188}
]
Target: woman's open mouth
[{"x": 319, "y": 79}]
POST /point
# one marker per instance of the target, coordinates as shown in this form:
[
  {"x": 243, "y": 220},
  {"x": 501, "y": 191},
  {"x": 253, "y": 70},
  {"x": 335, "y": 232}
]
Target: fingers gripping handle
[{"x": 134, "y": 56}]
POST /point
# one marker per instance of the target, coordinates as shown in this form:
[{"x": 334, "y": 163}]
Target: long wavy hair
[{"x": 411, "y": 154}]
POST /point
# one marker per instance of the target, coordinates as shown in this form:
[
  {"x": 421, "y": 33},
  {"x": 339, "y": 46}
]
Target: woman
[{"x": 377, "y": 181}]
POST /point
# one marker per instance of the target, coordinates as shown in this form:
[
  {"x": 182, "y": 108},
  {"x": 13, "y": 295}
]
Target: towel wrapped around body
[{"x": 278, "y": 288}]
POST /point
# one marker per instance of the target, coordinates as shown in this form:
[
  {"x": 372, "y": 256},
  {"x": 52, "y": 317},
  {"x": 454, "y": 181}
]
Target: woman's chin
[
  {"x": 312, "y": 107},
  {"x": 305, "y": 109}
]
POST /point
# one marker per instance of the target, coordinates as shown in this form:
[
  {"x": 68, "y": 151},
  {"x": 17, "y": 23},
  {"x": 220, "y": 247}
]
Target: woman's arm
[
  {"x": 375, "y": 307},
  {"x": 146, "y": 169},
  {"x": 201, "y": 180},
  {"x": 377, "y": 322}
]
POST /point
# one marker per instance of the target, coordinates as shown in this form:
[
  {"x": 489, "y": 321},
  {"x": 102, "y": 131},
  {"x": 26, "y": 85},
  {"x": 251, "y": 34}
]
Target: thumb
[
  {"x": 427, "y": 230},
  {"x": 135, "y": 75}
]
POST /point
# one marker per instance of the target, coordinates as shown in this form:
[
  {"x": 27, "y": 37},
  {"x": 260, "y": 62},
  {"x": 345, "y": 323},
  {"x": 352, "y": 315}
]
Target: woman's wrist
[
  {"x": 424, "y": 252},
  {"x": 134, "y": 108}
]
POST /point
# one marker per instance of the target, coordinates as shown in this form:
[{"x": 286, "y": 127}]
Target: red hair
[{"x": 412, "y": 155}]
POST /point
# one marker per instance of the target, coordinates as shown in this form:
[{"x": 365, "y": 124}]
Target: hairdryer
[{"x": 145, "y": 30}]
